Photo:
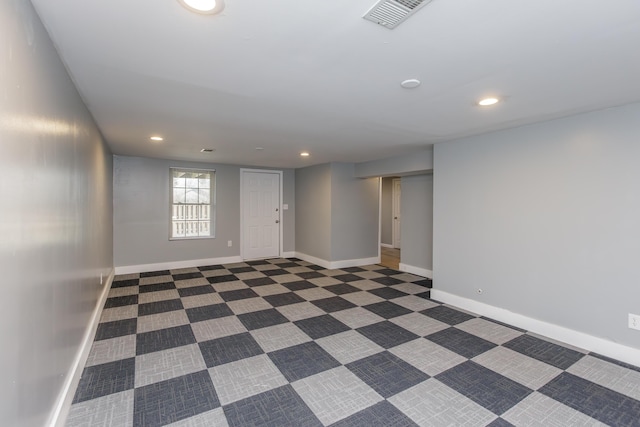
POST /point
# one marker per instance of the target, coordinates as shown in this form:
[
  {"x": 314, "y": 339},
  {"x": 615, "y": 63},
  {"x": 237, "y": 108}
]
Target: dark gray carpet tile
[
  {"x": 314, "y": 267},
  {"x": 174, "y": 400},
  {"x": 302, "y": 361},
  {"x": 388, "y": 271},
  {"x": 108, "y": 378},
  {"x": 156, "y": 287},
  {"x": 125, "y": 283},
  {"x": 387, "y": 293},
  {"x": 544, "y": 351},
  {"x": 386, "y": 373},
  {"x": 605, "y": 405},
  {"x": 223, "y": 278},
  {"x": 207, "y": 312},
  {"x": 159, "y": 307},
  {"x": 155, "y": 273},
  {"x": 342, "y": 289},
  {"x": 353, "y": 269},
  {"x": 333, "y": 304},
  {"x": 299, "y": 285},
  {"x": 310, "y": 275},
  {"x": 195, "y": 290},
  {"x": 280, "y": 407},
  {"x": 275, "y": 272},
  {"x": 387, "y": 309},
  {"x": 211, "y": 267},
  {"x": 121, "y": 301},
  {"x": 162, "y": 339},
  {"x": 503, "y": 324},
  {"x": 229, "y": 349},
  {"x": 347, "y": 277},
  {"x": 186, "y": 276},
  {"x": 259, "y": 281},
  {"x": 616, "y": 362},
  {"x": 258, "y": 262},
  {"x": 499, "y": 422},
  {"x": 427, "y": 283},
  {"x": 116, "y": 328},
  {"x": 484, "y": 386},
  {"x": 283, "y": 299},
  {"x": 447, "y": 315},
  {"x": 237, "y": 270},
  {"x": 463, "y": 343},
  {"x": 387, "y": 334},
  {"x": 288, "y": 265},
  {"x": 382, "y": 414},
  {"x": 321, "y": 326},
  {"x": 425, "y": 295},
  {"x": 262, "y": 319},
  {"x": 238, "y": 294},
  {"x": 387, "y": 280}
]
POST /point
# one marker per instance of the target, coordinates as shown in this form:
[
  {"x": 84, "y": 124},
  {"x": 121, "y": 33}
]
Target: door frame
[
  {"x": 280, "y": 187},
  {"x": 396, "y": 212}
]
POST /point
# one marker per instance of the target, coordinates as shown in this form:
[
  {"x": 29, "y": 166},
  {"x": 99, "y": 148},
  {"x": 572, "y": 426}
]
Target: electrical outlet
[
  {"x": 634, "y": 321},
  {"x": 229, "y": 243}
]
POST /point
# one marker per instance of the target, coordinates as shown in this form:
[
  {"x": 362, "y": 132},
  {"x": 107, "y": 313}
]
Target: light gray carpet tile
[
  {"x": 362, "y": 298},
  {"x": 537, "y": 410},
  {"x": 123, "y": 292},
  {"x": 357, "y": 317},
  {"x": 248, "y": 305},
  {"x": 166, "y": 364},
  {"x": 190, "y": 283},
  {"x": 201, "y": 300},
  {"x": 119, "y": 313},
  {"x": 409, "y": 288},
  {"x": 366, "y": 284},
  {"x": 419, "y": 324},
  {"x": 300, "y": 311},
  {"x": 488, "y": 330},
  {"x": 285, "y": 278},
  {"x": 112, "y": 349},
  {"x": 432, "y": 404},
  {"x": 106, "y": 411},
  {"x": 229, "y": 286},
  {"x": 427, "y": 356},
  {"x": 315, "y": 293},
  {"x": 169, "y": 319},
  {"x": 278, "y": 337},
  {"x": 607, "y": 374},
  {"x": 244, "y": 378},
  {"x": 414, "y": 303},
  {"x": 155, "y": 279},
  {"x": 213, "y": 418},
  {"x": 335, "y": 394},
  {"x": 158, "y": 296},
  {"x": 349, "y": 346},
  {"x": 324, "y": 281},
  {"x": 270, "y": 290},
  {"x": 217, "y": 328},
  {"x": 518, "y": 367}
]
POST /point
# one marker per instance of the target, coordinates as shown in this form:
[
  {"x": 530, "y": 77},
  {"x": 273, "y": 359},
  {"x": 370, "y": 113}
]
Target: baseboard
[
  {"x": 290, "y": 254},
  {"x": 386, "y": 245},
  {"x": 61, "y": 409},
  {"x": 577, "y": 339},
  {"x": 330, "y": 265},
  {"x": 172, "y": 265},
  {"x": 419, "y": 271}
]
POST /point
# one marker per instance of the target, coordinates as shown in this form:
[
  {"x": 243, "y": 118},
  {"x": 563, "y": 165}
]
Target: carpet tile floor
[{"x": 283, "y": 342}]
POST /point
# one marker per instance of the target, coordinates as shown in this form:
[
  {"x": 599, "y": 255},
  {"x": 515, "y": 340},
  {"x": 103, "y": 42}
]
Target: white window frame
[{"x": 212, "y": 204}]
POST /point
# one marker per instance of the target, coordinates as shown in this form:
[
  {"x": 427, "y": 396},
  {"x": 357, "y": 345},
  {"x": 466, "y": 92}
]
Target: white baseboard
[
  {"x": 290, "y": 254},
  {"x": 61, "y": 409},
  {"x": 330, "y": 265},
  {"x": 386, "y": 245},
  {"x": 418, "y": 271},
  {"x": 577, "y": 339},
  {"x": 172, "y": 265}
]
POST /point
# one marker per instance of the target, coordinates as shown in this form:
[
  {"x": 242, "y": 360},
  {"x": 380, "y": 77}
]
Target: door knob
[{"x": 277, "y": 221}]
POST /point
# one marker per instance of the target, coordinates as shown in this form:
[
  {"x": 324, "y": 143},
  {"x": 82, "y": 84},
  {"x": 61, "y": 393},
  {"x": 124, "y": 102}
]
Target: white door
[
  {"x": 260, "y": 214},
  {"x": 396, "y": 213}
]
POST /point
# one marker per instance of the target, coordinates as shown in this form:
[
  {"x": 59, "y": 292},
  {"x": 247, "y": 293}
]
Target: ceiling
[{"x": 292, "y": 75}]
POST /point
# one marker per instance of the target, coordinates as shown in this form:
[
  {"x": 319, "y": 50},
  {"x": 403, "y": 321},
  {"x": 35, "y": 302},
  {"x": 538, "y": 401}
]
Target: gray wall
[
  {"x": 416, "y": 227},
  {"x": 386, "y": 214},
  {"x": 354, "y": 214},
  {"x": 545, "y": 219},
  {"x": 141, "y": 213},
  {"x": 55, "y": 220},
  {"x": 313, "y": 211},
  {"x": 417, "y": 163}
]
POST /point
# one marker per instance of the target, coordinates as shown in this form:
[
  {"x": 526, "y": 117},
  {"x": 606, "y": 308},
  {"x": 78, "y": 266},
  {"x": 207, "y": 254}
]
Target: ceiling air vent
[{"x": 391, "y": 13}]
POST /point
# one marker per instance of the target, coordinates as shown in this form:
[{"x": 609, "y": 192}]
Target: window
[{"x": 192, "y": 203}]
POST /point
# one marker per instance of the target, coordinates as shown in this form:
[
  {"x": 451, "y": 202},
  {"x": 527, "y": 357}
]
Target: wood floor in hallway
[{"x": 390, "y": 257}]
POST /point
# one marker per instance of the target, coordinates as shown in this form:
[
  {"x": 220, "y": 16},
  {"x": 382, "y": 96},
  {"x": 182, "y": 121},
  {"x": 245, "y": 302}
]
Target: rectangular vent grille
[{"x": 391, "y": 13}]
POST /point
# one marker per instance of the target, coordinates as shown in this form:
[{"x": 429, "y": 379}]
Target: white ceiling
[{"x": 293, "y": 75}]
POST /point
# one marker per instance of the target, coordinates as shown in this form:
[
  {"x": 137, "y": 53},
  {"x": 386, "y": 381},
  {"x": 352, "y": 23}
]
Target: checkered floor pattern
[{"x": 283, "y": 342}]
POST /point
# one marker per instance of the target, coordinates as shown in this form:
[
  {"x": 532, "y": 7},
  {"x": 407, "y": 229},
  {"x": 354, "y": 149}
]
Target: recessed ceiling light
[
  {"x": 208, "y": 7},
  {"x": 207, "y": 150},
  {"x": 488, "y": 101},
  {"x": 304, "y": 154},
  {"x": 410, "y": 83},
  {"x": 156, "y": 138}
]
